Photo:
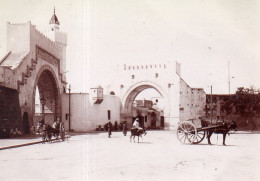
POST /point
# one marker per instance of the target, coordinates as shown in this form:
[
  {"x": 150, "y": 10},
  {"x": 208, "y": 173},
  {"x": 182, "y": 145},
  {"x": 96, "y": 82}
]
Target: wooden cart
[{"x": 193, "y": 131}]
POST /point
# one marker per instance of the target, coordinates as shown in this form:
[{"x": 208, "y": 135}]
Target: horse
[
  {"x": 47, "y": 131},
  {"x": 137, "y": 132},
  {"x": 223, "y": 128}
]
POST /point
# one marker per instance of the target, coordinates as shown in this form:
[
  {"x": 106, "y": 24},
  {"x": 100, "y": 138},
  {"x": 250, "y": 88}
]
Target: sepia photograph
[{"x": 110, "y": 90}]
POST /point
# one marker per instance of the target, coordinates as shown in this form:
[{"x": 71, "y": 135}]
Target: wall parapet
[
  {"x": 145, "y": 66},
  {"x": 43, "y": 38}
]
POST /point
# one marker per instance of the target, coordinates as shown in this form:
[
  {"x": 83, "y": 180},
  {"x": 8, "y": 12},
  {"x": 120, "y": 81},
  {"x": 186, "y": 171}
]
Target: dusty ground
[{"x": 160, "y": 156}]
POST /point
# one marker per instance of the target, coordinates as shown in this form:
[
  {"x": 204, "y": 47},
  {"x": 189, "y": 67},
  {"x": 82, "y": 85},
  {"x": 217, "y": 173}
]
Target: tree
[{"x": 247, "y": 101}]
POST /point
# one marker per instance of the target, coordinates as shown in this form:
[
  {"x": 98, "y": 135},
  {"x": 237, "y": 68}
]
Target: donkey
[{"x": 137, "y": 132}]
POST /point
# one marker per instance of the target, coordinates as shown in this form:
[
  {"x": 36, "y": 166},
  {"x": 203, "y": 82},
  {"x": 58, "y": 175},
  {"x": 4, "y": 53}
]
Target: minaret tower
[
  {"x": 58, "y": 37},
  {"x": 54, "y": 22}
]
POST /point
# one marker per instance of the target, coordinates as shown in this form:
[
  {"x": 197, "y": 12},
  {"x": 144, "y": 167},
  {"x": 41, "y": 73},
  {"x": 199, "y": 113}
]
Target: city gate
[
  {"x": 33, "y": 62},
  {"x": 163, "y": 77}
]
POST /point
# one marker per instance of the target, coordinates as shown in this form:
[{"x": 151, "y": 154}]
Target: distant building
[
  {"x": 149, "y": 117},
  {"x": 192, "y": 102}
]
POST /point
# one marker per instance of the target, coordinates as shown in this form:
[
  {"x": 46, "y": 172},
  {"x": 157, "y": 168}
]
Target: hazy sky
[{"x": 202, "y": 35}]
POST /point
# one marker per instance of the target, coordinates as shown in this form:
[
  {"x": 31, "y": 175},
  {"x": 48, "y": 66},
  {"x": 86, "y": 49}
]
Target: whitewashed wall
[{"x": 87, "y": 117}]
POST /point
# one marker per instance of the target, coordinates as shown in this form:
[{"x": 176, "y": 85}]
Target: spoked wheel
[
  {"x": 186, "y": 132},
  {"x": 200, "y": 136},
  {"x": 44, "y": 136},
  {"x": 62, "y": 132}
]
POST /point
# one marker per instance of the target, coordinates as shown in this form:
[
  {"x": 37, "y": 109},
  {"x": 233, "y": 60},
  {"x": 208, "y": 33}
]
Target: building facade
[{"x": 33, "y": 62}]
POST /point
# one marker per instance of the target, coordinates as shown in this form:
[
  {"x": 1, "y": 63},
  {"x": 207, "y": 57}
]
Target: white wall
[{"x": 87, "y": 117}]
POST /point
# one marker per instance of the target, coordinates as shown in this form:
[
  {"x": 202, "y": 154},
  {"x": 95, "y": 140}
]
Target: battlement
[
  {"x": 20, "y": 37},
  {"x": 147, "y": 66},
  {"x": 44, "y": 38}
]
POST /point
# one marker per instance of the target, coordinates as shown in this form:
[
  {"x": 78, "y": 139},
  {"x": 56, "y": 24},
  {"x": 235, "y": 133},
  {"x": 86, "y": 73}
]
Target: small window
[
  {"x": 156, "y": 75},
  {"x": 133, "y": 76}
]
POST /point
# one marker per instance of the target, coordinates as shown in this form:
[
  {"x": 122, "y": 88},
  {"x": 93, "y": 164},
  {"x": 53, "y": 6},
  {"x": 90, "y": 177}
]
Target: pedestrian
[
  {"x": 124, "y": 128},
  {"x": 116, "y": 126},
  {"x": 32, "y": 130},
  {"x": 109, "y": 129},
  {"x": 42, "y": 122}
]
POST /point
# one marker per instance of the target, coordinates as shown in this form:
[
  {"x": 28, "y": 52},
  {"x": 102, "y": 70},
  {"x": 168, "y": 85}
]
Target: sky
[{"x": 203, "y": 35}]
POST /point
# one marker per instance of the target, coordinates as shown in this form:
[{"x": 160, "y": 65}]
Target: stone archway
[
  {"x": 26, "y": 125},
  {"x": 132, "y": 93},
  {"x": 48, "y": 87}
]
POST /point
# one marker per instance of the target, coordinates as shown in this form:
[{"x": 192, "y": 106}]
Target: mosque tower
[
  {"x": 58, "y": 37},
  {"x": 54, "y": 22}
]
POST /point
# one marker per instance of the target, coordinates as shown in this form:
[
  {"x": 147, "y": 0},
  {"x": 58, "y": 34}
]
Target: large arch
[
  {"x": 48, "y": 86},
  {"x": 135, "y": 89}
]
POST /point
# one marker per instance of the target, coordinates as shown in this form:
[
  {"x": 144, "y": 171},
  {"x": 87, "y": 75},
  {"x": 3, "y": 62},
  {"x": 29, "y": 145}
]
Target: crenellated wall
[{"x": 147, "y": 66}]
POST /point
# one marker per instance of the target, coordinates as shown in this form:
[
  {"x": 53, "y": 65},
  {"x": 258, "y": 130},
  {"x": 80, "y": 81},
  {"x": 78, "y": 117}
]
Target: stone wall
[
  {"x": 192, "y": 102},
  {"x": 9, "y": 109}
]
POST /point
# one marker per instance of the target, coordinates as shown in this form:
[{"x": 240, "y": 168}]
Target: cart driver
[{"x": 55, "y": 125}]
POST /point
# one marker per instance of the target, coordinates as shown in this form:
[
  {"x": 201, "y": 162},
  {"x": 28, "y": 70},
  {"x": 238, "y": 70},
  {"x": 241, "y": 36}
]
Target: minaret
[
  {"x": 58, "y": 37},
  {"x": 54, "y": 22}
]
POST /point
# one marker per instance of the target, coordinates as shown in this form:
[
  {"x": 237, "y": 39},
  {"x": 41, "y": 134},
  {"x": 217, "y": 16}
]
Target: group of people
[
  {"x": 56, "y": 124},
  {"x": 15, "y": 132},
  {"x": 136, "y": 125}
]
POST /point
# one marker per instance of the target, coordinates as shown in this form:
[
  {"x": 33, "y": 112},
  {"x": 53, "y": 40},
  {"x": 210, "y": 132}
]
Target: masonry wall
[
  {"x": 192, "y": 102},
  {"x": 9, "y": 109},
  {"x": 87, "y": 117}
]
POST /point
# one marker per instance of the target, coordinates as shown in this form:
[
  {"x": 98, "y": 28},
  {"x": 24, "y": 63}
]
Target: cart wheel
[
  {"x": 44, "y": 136},
  {"x": 62, "y": 132},
  {"x": 186, "y": 132},
  {"x": 200, "y": 136}
]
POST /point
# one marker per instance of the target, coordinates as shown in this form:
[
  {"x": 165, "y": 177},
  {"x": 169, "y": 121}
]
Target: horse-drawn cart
[
  {"x": 194, "y": 131},
  {"x": 47, "y": 131}
]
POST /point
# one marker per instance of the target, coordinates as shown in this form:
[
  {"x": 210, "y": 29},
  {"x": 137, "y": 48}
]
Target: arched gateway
[
  {"x": 34, "y": 62},
  {"x": 163, "y": 77}
]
